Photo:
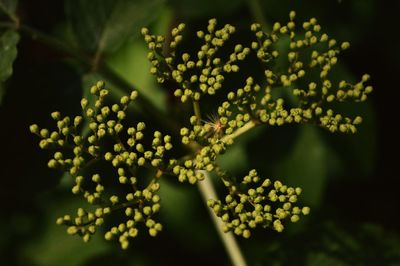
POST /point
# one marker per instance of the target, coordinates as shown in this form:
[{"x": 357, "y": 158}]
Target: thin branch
[
  {"x": 196, "y": 110},
  {"x": 248, "y": 126}
]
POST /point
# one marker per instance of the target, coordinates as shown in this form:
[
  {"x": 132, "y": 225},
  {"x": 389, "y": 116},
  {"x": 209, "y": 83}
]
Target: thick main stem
[{"x": 207, "y": 192}]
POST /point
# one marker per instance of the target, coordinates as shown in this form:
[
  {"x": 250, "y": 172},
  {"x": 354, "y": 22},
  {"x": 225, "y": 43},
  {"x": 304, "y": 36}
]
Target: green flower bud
[
  {"x": 278, "y": 226},
  {"x": 294, "y": 218},
  {"x": 34, "y": 129},
  {"x": 305, "y": 210},
  {"x": 114, "y": 199},
  {"x": 276, "y": 26},
  {"x": 344, "y": 45},
  {"x": 72, "y": 230},
  {"x": 96, "y": 178},
  {"x": 134, "y": 95},
  {"x": 141, "y": 161}
]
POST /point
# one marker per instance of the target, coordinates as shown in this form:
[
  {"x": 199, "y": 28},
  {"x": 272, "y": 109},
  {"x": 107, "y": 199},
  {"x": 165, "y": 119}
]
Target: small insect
[{"x": 214, "y": 125}]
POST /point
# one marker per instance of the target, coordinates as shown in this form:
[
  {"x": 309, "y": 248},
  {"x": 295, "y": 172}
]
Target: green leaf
[
  {"x": 54, "y": 246},
  {"x": 103, "y": 25},
  {"x": 8, "y": 53},
  {"x": 182, "y": 210},
  {"x": 8, "y": 6},
  {"x": 356, "y": 152},
  {"x": 307, "y": 165},
  {"x": 136, "y": 70},
  {"x": 235, "y": 159}
]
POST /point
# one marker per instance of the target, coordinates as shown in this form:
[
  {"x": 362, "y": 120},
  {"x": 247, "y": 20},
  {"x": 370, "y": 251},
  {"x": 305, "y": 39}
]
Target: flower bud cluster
[
  {"x": 311, "y": 53},
  {"x": 128, "y": 152},
  {"x": 257, "y": 202},
  {"x": 102, "y": 135},
  {"x": 276, "y": 114},
  {"x": 209, "y": 139},
  {"x": 244, "y": 99},
  {"x": 200, "y": 74},
  {"x": 209, "y": 144},
  {"x": 138, "y": 208}
]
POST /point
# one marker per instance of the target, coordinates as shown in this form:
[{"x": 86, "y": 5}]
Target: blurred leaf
[
  {"x": 319, "y": 258},
  {"x": 8, "y": 6},
  {"x": 272, "y": 145},
  {"x": 182, "y": 211},
  {"x": 205, "y": 8},
  {"x": 345, "y": 244},
  {"x": 307, "y": 165},
  {"x": 8, "y": 53},
  {"x": 103, "y": 25},
  {"x": 66, "y": 181},
  {"x": 356, "y": 151},
  {"x": 235, "y": 159},
  {"x": 131, "y": 63},
  {"x": 56, "y": 247},
  {"x": 176, "y": 202},
  {"x": 329, "y": 242}
]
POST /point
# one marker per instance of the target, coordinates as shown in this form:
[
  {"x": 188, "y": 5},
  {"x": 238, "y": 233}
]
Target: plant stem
[
  {"x": 207, "y": 192},
  {"x": 197, "y": 112},
  {"x": 248, "y": 126}
]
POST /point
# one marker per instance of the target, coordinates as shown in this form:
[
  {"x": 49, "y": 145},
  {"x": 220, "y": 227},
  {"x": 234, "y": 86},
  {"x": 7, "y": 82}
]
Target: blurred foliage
[
  {"x": 350, "y": 181},
  {"x": 8, "y": 53},
  {"x": 102, "y": 26}
]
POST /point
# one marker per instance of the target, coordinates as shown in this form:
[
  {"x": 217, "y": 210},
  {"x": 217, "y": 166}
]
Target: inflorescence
[
  {"x": 256, "y": 201},
  {"x": 250, "y": 202},
  {"x": 128, "y": 153}
]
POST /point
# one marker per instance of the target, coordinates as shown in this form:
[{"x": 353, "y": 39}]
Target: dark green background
[{"x": 351, "y": 182}]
